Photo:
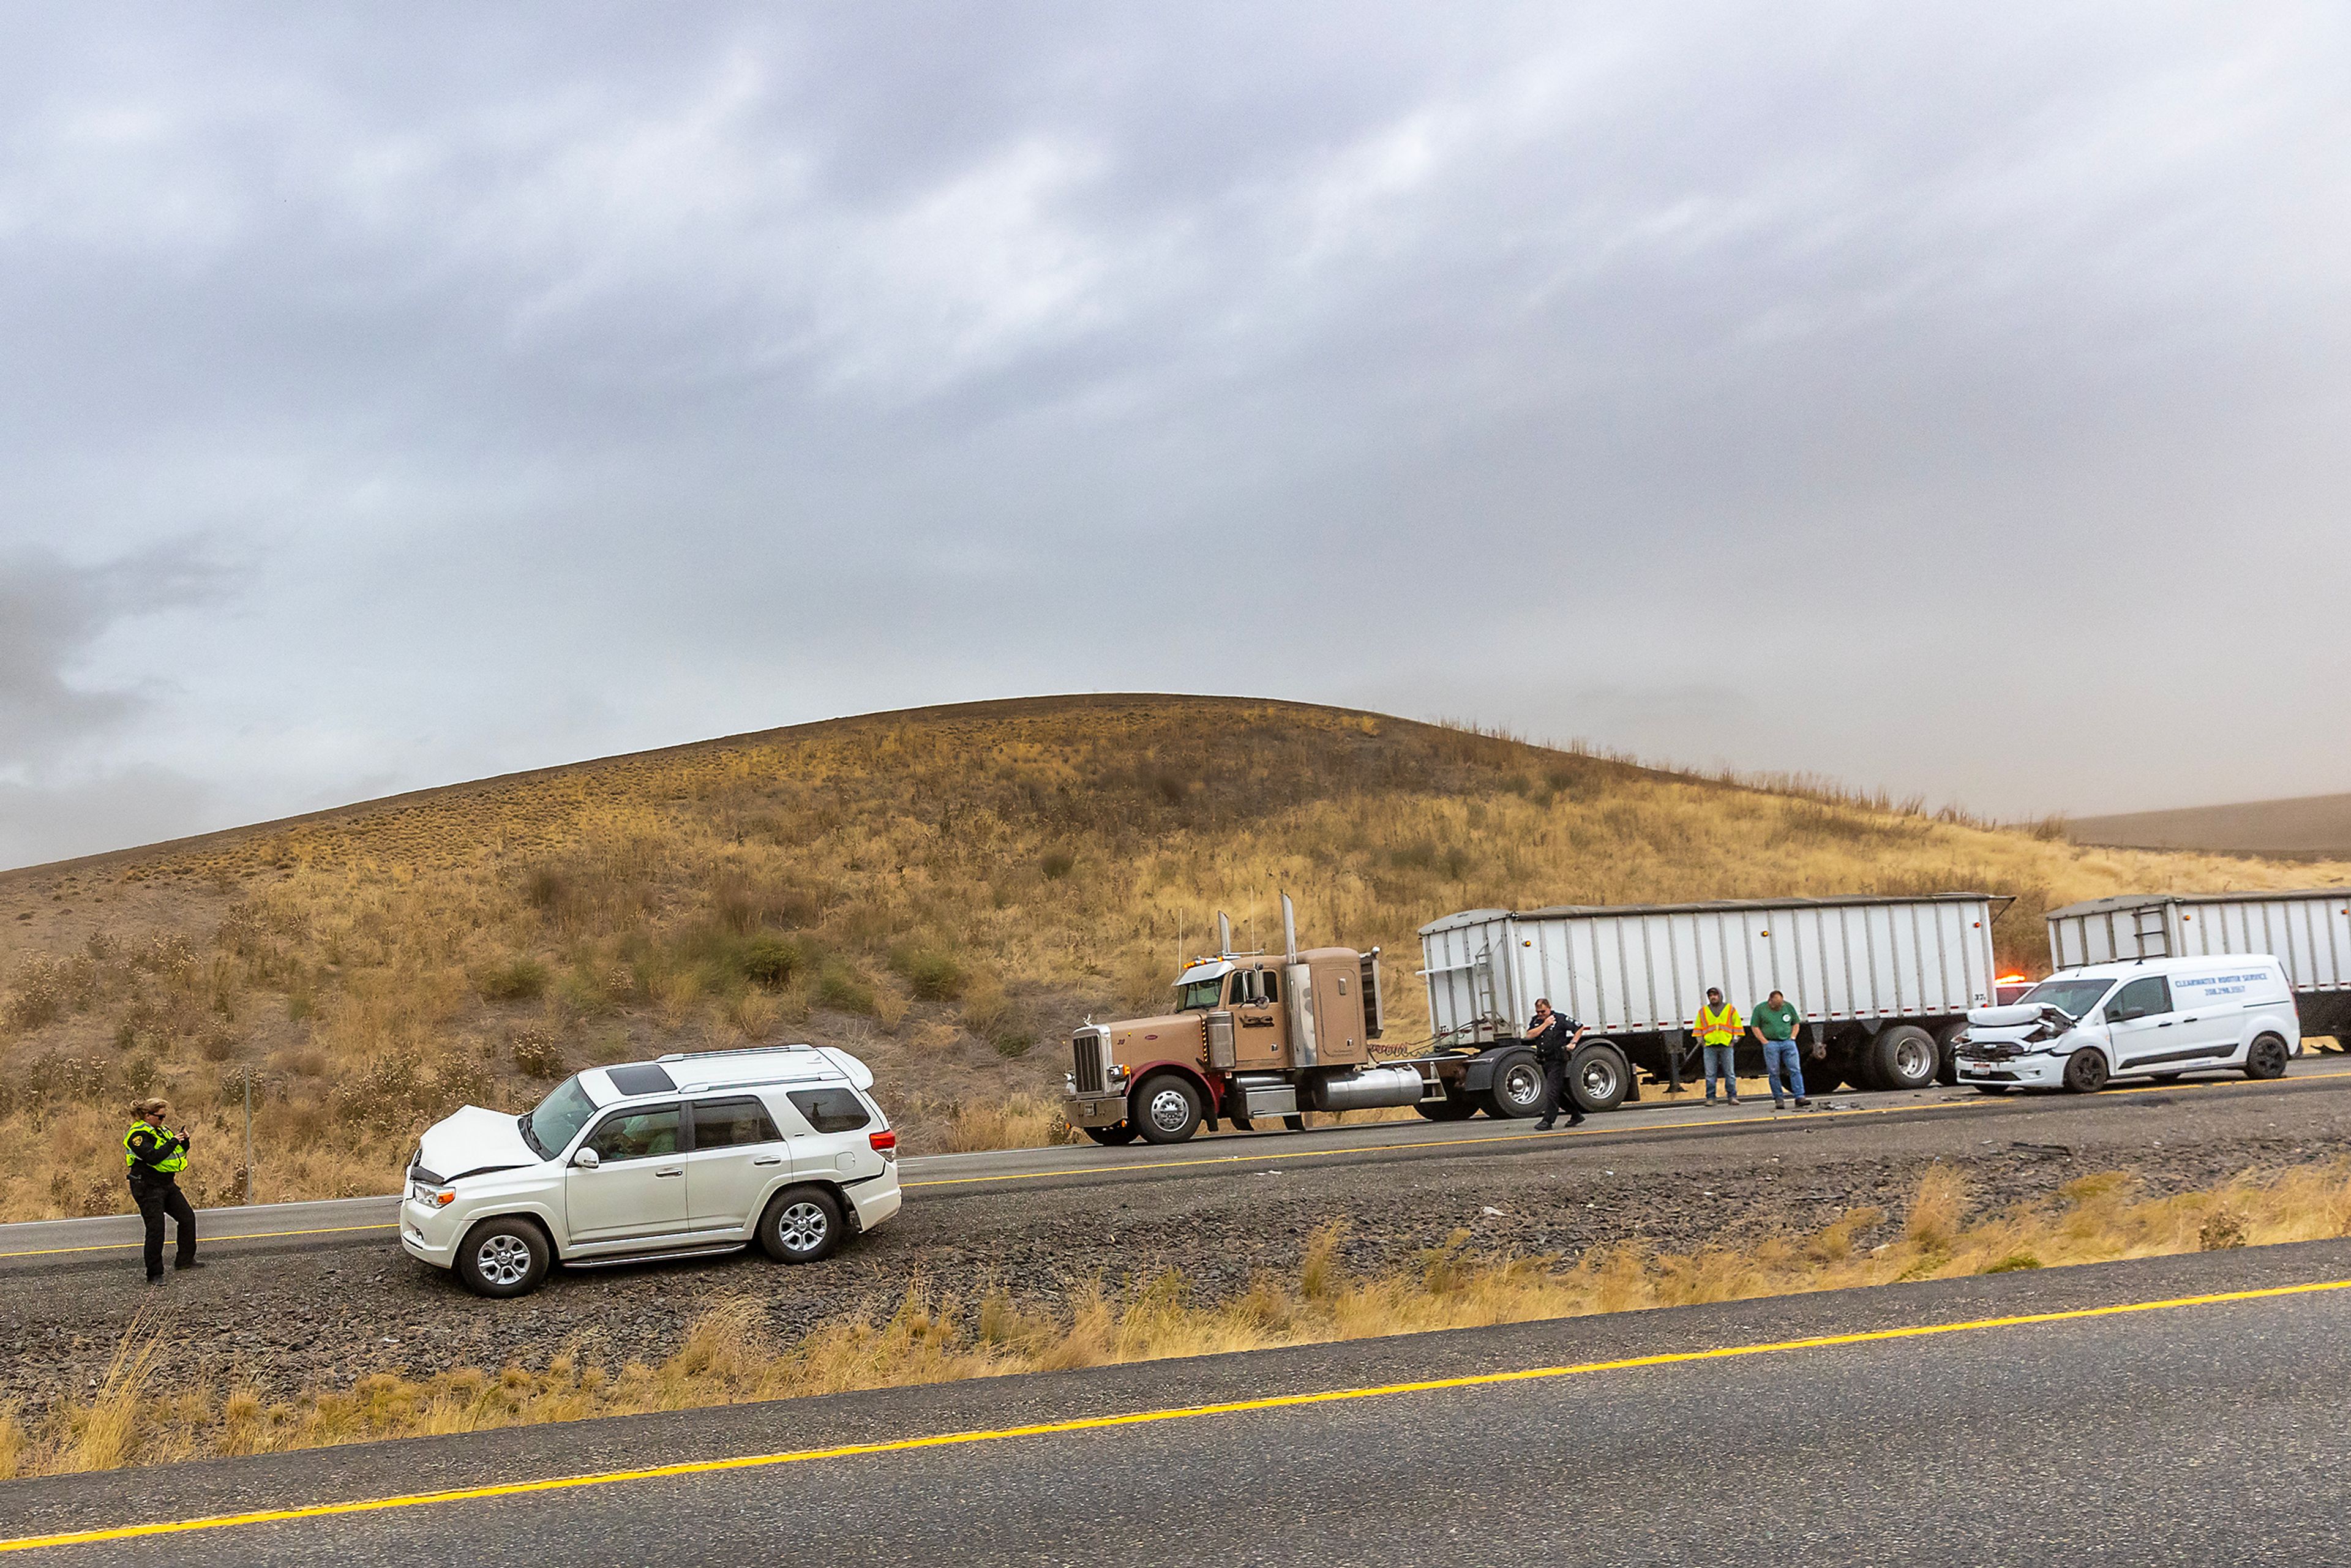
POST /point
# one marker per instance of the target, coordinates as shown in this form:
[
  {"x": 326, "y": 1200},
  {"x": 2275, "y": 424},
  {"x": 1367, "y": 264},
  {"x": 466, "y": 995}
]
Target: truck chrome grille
[{"x": 1086, "y": 1070}]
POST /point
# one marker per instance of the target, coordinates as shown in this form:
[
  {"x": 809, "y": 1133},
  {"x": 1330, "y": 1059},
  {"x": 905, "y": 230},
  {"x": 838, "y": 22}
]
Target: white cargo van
[{"x": 2147, "y": 1018}]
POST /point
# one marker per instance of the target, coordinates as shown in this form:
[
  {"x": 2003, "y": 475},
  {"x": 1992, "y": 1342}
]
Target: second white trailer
[
  {"x": 1883, "y": 984},
  {"x": 2308, "y": 931}
]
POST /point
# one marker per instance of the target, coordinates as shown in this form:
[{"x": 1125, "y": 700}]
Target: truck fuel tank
[{"x": 1366, "y": 1089}]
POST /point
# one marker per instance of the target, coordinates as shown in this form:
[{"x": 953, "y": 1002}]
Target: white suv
[{"x": 702, "y": 1153}]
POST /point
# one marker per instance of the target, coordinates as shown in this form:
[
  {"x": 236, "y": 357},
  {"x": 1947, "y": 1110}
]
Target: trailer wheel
[
  {"x": 1122, "y": 1134},
  {"x": 1165, "y": 1109},
  {"x": 2267, "y": 1058},
  {"x": 1900, "y": 1056},
  {"x": 1455, "y": 1107},
  {"x": 2086, "y": 1070},
  {"x": 1947, "y": 1053},
  {"x": 1821, "y": 1074},
  {"x": 1598, "y": 1077},
  {"x": 1517, "y": 1087}
]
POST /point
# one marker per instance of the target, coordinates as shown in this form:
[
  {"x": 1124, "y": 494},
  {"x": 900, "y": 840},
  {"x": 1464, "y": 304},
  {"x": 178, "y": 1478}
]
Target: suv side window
[
  {"x": 644, "y": 1134},
  {"x": 731, "y": 1123},
  {"x": 831, "y": 1110},
  {"x": 2143, "y": 998}
]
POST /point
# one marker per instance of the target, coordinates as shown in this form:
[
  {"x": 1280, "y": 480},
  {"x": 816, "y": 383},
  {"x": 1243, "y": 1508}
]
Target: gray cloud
[
  {"x": 1845, "y": 392},
  {"x": 51, "y": 614}
]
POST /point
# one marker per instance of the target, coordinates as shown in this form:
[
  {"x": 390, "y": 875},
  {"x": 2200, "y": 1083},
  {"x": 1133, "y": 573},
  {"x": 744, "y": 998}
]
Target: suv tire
[
  {"x": 2267, "y": 1058},
  {"x": 801, "y": 1225},
  {"x": 507, "y": 1257},
  {"x": 1165, "y": 1109}
]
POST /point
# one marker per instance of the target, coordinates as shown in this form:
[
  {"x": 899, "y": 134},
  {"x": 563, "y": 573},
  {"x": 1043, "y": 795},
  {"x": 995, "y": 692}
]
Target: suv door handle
[
  {"x": 769, "y": 1160},
  {"x": 2186, "y": 1020},
  {"x": 674, "y": 1170}
]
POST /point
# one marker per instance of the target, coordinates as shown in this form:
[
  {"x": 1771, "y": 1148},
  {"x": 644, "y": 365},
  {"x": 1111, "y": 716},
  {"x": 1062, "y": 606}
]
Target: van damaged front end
[{"x": 2023, "y": 1044}]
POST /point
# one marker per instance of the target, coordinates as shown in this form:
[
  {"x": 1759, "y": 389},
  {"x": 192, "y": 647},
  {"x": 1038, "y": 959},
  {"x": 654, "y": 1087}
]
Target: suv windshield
[
  {"x": 558, "y": 1118},
  {"x": 2077, "y": 998},
  {"x": 1194, "y": 995}
]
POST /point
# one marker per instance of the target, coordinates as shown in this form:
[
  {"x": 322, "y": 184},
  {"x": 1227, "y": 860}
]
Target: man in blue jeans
[{"x": 1775, "y": 1024}]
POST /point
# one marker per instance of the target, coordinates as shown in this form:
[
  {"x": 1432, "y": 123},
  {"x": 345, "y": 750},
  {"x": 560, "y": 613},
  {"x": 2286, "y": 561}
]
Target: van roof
[{"x": 2117, "y": 967}]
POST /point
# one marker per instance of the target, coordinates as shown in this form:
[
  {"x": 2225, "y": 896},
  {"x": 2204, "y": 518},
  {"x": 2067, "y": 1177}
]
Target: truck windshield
[
  {"x": 558, "y": 1118},
  {"x": 1195, "y": 995},
  {"x": 2077, "y": 998}
]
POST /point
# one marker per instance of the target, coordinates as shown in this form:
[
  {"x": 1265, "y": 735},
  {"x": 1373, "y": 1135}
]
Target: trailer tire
[
  {"x": 1822, "y": 1075},
  {"x": 2086, "y": 1070},
  {"x": 2267, "y": 1058},
  {"x": 1598, "y": 1077},
  {"x": 1164, "y": 1108},
  {"x": 1900, "y": 1056},
  {"x": 1517, "y": 1087},
  {"x": 1947, "y": 1053},
  {"x": 1455, "y": 1107},
  {"x": 1110, "y": 1136}
]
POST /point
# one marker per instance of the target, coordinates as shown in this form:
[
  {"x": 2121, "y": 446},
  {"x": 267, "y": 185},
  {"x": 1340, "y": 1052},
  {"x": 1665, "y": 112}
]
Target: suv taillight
[{"x": 886, "y": 1143}]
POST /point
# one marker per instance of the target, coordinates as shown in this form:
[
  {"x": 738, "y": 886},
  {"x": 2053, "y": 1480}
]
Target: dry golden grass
[
  {"x": 945, "y": 891},
  {"x": 728, "y": 1356}
]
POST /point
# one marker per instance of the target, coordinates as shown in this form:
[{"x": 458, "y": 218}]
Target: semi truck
[
  {"x": 2308, "y": 931},
  {"x": 1883, "y": 984}
]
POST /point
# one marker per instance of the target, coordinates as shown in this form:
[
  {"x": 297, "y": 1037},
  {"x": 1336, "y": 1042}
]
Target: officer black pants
[
  {"x": 157, "y": 1198},
  {"x": 1555, "y": 1095}
]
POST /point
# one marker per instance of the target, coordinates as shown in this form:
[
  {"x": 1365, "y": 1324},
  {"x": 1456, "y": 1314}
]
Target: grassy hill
[
  {"x": 943, "y": 891},
  {"x": 2311, "y": 826}
]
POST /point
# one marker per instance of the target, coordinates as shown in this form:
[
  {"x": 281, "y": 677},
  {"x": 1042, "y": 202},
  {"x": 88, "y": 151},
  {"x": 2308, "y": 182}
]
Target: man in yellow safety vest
[{"x": 1717, "y": 1029}]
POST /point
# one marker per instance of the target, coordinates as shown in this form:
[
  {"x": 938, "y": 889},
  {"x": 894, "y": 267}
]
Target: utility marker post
[{"x": 248, "y": 1134}]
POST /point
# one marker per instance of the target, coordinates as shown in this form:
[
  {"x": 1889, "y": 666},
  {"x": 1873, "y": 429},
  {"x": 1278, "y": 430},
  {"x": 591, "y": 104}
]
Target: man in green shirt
[{"x": 1775, "y": 1024}]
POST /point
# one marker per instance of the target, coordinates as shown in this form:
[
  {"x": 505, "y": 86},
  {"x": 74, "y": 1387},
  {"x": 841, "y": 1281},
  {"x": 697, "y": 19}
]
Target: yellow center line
[{"x": 1146, "y": 1417}]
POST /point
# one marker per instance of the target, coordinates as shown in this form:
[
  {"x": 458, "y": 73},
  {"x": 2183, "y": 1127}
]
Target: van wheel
[
  {"x": 1517, "y": 1087},
  {"x": 1122, "y": 1134},
  {"x": 2086, "y": 1070},
  {"x": 801, "y": 1225},
  {"x": 1901, "y": 1056},
  {"x": 2267, "y": 1059},
  {"x": 1165, "y": 1109},
  {"x": 1598, "y": 1077},
  {"x": 504, "y": 1258}
]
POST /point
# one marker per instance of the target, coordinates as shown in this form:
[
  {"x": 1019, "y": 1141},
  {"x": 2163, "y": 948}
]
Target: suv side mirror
[{"x": 587, "y": 1159}]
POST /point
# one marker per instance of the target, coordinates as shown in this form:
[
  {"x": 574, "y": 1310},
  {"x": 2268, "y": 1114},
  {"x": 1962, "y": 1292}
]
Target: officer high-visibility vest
[
  {"x": 1717, "y": 1027},
  {"x": 169, "y": 1164}
]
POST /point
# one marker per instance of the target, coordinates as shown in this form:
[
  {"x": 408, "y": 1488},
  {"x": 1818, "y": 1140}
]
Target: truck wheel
[
  {"x": 1166, "y": 1109},
  {"x": 1517, "y": 1087},
  {"x": 1598, "y": 1077},
  {"x": 1122, "y": 1134},
  {"x": 1947, "y": 1053},
  {"x": 2086, "y": 1070},
  {"x": 1455, "y": 1107},
  {"x": 802, "y": 1225},
  {"x": 1901, "y": 1056},
  {"x": 504, "y": 1257},
  {"x": 2267, "y": 1058}
]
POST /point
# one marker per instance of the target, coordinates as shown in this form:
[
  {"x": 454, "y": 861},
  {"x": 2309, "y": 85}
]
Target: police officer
[
  {"x": 154, "y": 1156},
  {"x": 1555, "y": 1041}
]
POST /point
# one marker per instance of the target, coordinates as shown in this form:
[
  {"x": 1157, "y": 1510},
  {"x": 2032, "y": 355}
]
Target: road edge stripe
[{"x": 1144, "y": 1418}]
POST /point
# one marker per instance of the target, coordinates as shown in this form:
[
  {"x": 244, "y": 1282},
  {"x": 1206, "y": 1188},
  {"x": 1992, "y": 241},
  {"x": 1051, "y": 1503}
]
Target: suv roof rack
[{"x": 731, "y": 1050}]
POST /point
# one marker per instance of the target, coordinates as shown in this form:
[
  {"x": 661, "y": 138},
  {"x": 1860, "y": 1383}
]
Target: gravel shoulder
[{"x": 282, "y": 1321}]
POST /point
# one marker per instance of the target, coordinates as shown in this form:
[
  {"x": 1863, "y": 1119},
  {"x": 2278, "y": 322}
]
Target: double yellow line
[{"x": 1139, "y": 1418}]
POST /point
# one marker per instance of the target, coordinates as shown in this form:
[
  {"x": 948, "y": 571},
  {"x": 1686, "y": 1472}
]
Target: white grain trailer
[
  {"x": 2308, "y": 931},
  {"x": 1884, "y": 984}
]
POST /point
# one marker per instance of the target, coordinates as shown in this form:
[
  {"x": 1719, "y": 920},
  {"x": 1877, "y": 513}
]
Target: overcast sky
[{"x": 389, "y": 396}]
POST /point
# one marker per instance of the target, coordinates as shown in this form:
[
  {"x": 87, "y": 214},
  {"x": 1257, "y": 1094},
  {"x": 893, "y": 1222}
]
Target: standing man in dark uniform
[
  {"x": 154, "y": 1156},
  {"x": 1555, "y": 1041}
]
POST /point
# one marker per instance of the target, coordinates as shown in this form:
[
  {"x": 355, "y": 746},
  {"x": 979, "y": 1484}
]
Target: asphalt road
[
  {"x": 2134, "y": 1423},
  {"x": 45, "y": 1244}
]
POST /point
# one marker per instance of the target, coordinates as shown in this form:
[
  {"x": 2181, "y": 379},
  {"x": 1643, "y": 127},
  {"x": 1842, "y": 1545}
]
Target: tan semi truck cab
[{"x": 1255, "y": 1037}]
